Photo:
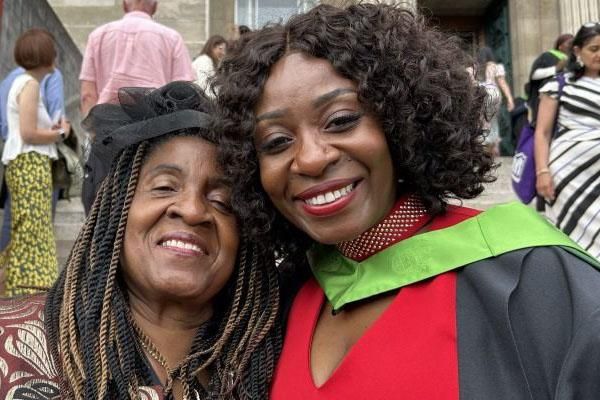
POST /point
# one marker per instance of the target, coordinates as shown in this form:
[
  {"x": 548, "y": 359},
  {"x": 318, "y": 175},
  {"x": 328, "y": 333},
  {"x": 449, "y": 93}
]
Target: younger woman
[
  {"x": 354, "y": 127},
  {"x": 30, "y": 258}
]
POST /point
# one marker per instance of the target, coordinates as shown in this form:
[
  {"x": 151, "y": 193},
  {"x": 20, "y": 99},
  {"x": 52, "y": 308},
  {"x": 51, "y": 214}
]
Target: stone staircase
[
  {"x": 497, "y": 192},
  {"x": 68, "y": 219}
]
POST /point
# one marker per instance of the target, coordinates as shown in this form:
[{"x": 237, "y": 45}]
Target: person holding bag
[
  {"x": 30, "y": 257},
  {"x": 567, "y": 159}
]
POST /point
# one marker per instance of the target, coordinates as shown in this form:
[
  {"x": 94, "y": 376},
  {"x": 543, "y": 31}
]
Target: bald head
[{"x": 147, "y": 6}]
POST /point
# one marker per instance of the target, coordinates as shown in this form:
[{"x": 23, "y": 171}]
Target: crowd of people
[{"x": 277, "y": 218}]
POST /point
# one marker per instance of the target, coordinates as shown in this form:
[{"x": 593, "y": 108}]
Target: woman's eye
[
  {"x": 340, "y": 123},
  {"x": 222, "y": 205},
  {"x": 274, "y": 145},
  {"x": 163, "y": 188}
]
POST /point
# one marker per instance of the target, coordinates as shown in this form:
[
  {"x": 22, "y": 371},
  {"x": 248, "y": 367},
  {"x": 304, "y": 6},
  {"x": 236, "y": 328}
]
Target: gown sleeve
[{"x": 529, "y": 327}]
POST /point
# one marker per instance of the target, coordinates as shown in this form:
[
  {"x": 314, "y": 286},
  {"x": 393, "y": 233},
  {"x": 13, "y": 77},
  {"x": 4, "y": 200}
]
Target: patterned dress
[
  {"x": 574, "y": 161},
  {"x": 30, "y": 258},
  {"x": 27, "y": 370},
  {"x": 31, "y": 255}
]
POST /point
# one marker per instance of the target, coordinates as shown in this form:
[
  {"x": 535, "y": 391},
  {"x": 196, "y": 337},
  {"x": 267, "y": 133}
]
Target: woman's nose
[
  {"x": 192, "y": 208},
  {"x": 314, "y": 155}
]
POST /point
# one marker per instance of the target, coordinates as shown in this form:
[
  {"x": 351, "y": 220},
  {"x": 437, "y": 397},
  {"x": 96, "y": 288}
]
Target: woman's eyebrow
[
  {"x": 324, "y": 98},
  {"x": 165, "y": 168},
  {"x": 271, "y": 115}
]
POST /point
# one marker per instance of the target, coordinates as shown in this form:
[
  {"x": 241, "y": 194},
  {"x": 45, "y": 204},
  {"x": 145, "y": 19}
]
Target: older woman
[
  {"x": 568, "y": 164},
  {"x": 357, "y": 125},
  {"x": 162, "y": 291}
]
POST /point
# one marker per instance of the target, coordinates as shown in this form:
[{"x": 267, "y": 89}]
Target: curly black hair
[{"x": 410, "y": 76}]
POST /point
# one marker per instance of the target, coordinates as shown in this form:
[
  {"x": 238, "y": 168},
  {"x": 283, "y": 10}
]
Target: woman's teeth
[
  {"x": 330, "y": 197},
  {"x": 181, "y": 245}
]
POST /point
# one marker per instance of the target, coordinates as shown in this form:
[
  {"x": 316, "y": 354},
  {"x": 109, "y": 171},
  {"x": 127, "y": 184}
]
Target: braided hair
[{"x": 91, "y": 334}]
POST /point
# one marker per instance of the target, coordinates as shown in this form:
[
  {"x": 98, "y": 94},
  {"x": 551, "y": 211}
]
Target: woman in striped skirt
[{"x": 568, "y": 164}]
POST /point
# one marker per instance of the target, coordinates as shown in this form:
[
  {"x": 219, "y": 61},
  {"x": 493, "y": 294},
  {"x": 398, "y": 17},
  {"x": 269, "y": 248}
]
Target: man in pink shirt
[{"x": 133, "y": 51}]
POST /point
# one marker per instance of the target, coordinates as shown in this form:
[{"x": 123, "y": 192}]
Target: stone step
[{"x": 68, "y": 219}]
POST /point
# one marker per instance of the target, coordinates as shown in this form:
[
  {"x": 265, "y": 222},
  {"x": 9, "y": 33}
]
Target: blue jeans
[{"x": 5, "y": 231}]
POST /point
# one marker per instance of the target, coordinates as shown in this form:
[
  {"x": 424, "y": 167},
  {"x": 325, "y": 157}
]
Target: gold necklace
[{"x": 150, "y": 348}]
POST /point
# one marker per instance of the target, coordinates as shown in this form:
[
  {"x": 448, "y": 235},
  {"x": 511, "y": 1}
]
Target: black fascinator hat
[
  {"x": 141, "y": 114},
  {"x": 146, "y": 113}
]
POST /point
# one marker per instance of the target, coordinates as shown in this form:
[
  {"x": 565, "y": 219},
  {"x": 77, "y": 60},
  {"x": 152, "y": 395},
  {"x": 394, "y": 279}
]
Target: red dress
[{"x": 409, "y": 352}]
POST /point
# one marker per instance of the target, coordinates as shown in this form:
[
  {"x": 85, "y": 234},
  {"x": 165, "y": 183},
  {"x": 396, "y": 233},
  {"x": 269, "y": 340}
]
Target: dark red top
[{"x": 408, "y": 353}]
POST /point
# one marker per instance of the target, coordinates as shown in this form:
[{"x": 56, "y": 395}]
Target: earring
[{"x": 579, "y": 62}]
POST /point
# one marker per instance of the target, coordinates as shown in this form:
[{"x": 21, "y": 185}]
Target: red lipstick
[{"x": 335, "y": 206}]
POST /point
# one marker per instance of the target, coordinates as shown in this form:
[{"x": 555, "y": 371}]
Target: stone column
[
  {"x": 574, "y": 13},
  {"x": 533, "y": 29}
]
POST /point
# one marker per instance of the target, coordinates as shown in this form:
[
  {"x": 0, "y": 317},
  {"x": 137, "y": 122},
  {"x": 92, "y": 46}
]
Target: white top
[
  {"x": 579, "y": 109},
  {"x": 205, "y": 69},
  {"x": 14, "y": 143}
]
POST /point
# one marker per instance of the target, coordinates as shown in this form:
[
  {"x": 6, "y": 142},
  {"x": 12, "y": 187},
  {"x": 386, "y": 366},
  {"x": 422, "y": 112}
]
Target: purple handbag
[{"x": 523, "y": 166}]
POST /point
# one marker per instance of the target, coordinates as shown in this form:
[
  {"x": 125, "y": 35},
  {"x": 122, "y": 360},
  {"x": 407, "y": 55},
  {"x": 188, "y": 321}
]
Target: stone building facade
[
  {"x": 530, "y": 27},
  {"x": 517, "y": 30}
]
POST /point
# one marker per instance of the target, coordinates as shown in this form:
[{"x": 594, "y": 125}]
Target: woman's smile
[
  {"x": 328, "y": 198},
  {"x": 184, "y": 244}
]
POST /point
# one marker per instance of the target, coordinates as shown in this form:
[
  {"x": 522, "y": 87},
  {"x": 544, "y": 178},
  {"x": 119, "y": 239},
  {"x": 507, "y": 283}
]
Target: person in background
[
  {"x": 30, "y": 257},
  {"x": 134, "y": 51},
  {"x": 355, "y": 127},
  {"x": 544, "y": 67},
  {"x": 492, "y": 75},
  {"x": 243, "y": 29},
  {"x": 208, "y": 60},
  {"x": 567, "y": 160},
  {"x": 52, "y": 93}
]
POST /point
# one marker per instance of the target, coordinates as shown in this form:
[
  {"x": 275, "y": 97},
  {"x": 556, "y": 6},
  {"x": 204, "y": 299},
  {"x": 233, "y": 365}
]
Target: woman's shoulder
[
  {"x": 19, "y": 312},
  {"x": 202, "y": 60},
  {"x": 26, "y": 365},
  {"x": 550, "y": 278},
  {"x": 19, "y": 84},
  {"x": 20, "y": 307},
  {"x": 552, "y": 85},
  {"x": 538, "y": 308}
]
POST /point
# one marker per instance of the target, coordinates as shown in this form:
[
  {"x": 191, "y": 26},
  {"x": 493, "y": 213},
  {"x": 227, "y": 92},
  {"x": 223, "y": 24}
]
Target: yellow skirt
[{"x": 30, "y": 258}]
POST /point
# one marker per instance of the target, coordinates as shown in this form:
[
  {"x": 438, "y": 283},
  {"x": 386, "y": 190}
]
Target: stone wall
[
  {"x": 17, "y": 17},
  {"x": 189, "y": 17},
  {"x": 534, "y": 28},
  {"x": 222, "y": 16},
  {"x": 575, "y": 13}
]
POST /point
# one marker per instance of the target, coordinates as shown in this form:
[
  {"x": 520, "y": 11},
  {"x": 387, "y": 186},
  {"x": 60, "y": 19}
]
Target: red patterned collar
[{"x": 405, "y": 219}]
